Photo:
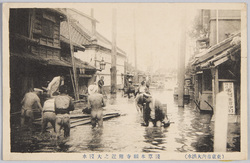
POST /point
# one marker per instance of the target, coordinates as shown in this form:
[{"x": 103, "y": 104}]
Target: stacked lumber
[{"x": 78, "y": 120}]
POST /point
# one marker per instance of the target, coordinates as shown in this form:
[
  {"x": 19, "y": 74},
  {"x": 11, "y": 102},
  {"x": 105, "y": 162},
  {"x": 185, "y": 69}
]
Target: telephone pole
[
  {"x": 75, "y": 80},
  {"x": 181, "y": 63},
  {"x": 113, "y": 56},
  {"x": 136, "y": 72}
]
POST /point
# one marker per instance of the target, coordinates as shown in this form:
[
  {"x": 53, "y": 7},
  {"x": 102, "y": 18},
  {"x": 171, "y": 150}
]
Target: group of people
[
  {"x": 58, "y": 105},
  {"x": 56, "y": 110}
]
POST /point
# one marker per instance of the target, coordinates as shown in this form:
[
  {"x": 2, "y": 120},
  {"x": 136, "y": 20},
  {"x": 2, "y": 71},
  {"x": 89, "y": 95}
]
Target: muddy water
[{"x": 189, "y": 131}]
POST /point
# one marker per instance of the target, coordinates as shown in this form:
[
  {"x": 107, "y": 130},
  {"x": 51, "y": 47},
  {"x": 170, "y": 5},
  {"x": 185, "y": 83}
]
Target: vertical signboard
[{"x": 229, "y": 88}]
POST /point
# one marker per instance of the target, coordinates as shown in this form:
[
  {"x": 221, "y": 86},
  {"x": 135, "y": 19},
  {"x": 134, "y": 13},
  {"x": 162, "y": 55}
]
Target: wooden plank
[
  {"x": 214, "y": 52},
  {"x": 106, "y": 117},
  {"x": 83, "y": 121},
  {"x": 222, "y": 60},
  {"x": 227, "y": 80},
  {"x": 79, "y": 120}
]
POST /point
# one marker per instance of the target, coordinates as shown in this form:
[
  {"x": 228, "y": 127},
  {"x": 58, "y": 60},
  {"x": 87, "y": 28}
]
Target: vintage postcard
[{"x": 124, "y": 81}]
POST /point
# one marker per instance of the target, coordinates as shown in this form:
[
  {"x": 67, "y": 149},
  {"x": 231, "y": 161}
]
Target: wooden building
[
  {"x": 37, "y": 52},
  {"x": 217, "y": 66}
]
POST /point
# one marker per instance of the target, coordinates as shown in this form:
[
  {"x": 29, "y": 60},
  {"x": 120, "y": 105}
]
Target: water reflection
[
  {"x": 190, "y": 131},
  {"x": 96, "y": 139},
  {"x": 155, "y": 137}
]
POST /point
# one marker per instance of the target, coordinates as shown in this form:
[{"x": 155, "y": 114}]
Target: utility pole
[
  {"x": 73, "y": 59},
  {"x": 136, "y": 71},
  {"x": 217, "y": 26},
  {"x": 94, "y": 41},
  {"x": 113, "y": 56},
  {"x": 181, "y": 63},
  {"x": 93, "y": 31}
]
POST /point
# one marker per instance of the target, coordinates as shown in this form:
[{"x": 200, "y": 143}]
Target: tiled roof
[
  {"x": 78, "y": 36},
  {"x": 29, "y": 56},
  {"x": 214, "y": 50},
  {"x": 82, "y": 36},
  {"x": 102, "y": 41},
  {"x": 82, "y": 64},
  {"x": 221, "y": 58},
  {"x": 58, "y": 62},
  {"x": 77, "y": 46},
  {"x": 65, "y": 62},
  {"x": 42, "y": 60}
]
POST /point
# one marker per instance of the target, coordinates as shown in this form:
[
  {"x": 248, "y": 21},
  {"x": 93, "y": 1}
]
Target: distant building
[{"x": 98, "y": 48}]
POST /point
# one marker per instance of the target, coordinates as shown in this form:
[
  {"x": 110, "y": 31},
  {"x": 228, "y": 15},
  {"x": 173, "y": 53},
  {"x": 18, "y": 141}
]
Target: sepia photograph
[{"x": 124, "y": 81}]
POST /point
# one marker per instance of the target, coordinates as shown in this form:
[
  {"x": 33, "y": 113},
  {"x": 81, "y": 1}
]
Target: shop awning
[
  {"x": 28, "y": 56},
  {"x": 82, "y": 64},
  {"x": 58, "y": 62}
]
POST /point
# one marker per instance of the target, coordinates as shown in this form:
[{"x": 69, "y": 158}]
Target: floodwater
[{"x": 190, "y": 131}]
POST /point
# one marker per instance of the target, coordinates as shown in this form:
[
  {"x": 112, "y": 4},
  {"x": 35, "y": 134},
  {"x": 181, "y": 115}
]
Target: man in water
[
  {"x": 48, "y": 114},
  {"x": 63, "y": 106},
  {"x": 30, "y": 102},
  {"x": 152, "y": 110},
  {"x": 95, "y": 103}
]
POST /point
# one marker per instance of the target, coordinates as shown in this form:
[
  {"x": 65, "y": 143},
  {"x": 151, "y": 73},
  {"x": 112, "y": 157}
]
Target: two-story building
[
  {"x": 37, "y": 51},
  {"x": 217, "y": 66}
]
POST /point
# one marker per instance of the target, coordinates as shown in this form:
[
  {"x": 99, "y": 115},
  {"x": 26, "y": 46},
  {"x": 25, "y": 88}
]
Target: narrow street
[{"x": 190, "y": 131}]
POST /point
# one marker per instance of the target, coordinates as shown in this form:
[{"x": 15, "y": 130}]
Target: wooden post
[
  {"x": 73, "y": 59},
  {"x": 113, "y": 56},
  {"x": 181, "y": 65},
  {"x": 215, "y": 85},
  {"x": 72, "y": 80},
  {"x": 31, "y": 21}
]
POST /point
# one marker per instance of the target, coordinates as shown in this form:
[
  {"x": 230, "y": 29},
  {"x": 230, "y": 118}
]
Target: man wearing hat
[
  {"x": 152, "y": 109},
  {"x": 95, "y": 103},
  {"x": 141, "y": 104}
]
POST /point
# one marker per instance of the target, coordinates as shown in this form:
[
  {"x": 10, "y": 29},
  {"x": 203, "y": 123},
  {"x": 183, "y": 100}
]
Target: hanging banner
[{"x": 229, "y": 88}]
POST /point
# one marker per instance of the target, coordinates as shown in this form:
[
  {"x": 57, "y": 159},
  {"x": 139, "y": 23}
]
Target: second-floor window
[
  {"x": 48, "y": 25},
  {"x": 48, "y": 28}
]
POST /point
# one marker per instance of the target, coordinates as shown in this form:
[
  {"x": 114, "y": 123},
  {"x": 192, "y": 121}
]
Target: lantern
[{"x": 102, "y": 64}]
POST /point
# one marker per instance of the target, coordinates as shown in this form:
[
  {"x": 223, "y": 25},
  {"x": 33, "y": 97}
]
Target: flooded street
[
  {"x": 190, "y": 131},
  {"x": 187, "y": 132}
]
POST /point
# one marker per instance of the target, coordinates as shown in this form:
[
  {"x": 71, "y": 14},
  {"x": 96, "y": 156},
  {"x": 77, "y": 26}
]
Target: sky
[{"x": 157, "y": 29}]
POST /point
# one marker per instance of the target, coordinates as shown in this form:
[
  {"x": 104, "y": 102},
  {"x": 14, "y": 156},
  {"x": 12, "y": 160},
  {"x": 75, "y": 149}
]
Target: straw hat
[
  {"x": 147, "y": 94},
  {"x": 92, "y": 89}
]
